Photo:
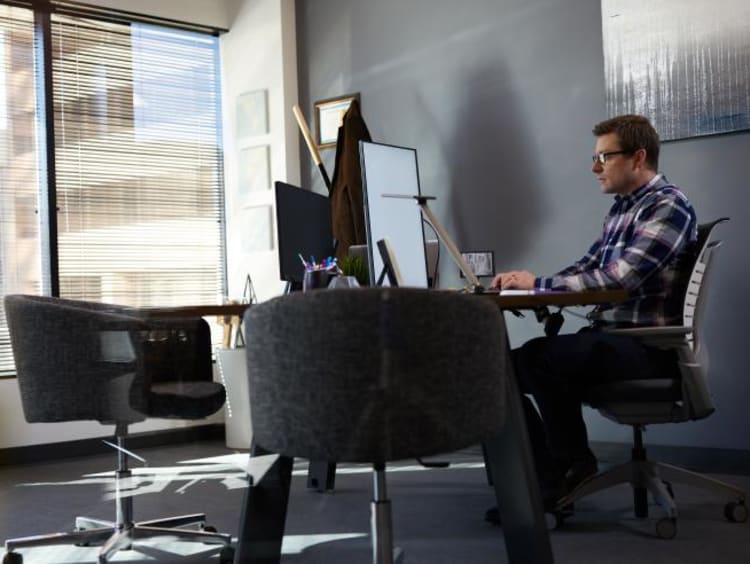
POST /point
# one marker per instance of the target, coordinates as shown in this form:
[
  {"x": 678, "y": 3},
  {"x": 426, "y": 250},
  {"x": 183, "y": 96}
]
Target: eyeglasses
[{"x": 603, "y": 157}]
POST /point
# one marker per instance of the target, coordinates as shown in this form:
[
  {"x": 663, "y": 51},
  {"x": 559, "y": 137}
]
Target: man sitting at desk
[{"x": 647, "y": 232}]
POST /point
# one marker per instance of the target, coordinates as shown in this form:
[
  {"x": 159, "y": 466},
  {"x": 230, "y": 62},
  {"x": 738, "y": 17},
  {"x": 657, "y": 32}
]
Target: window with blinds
[
  {"x": 20, "y": 242},
  {"x": 138, "y": 166},
  {"x": 137, "y": 157}
]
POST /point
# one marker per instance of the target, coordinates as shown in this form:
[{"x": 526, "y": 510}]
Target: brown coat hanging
[{"x": 347, "y": 211}]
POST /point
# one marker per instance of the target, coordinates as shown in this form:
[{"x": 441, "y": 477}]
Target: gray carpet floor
[{"x": 437, "y": 513}]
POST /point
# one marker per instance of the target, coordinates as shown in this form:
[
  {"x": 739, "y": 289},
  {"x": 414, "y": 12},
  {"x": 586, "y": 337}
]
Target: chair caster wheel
[
  {"x": 666, "y": 528},
  {"x": 12, "y": 558},
  {"x": 208, "y": 529},
  {"x": 226, "y": 556},
  {"x": 735, "y": 511},
  {"x": 553, "y": 520},
  {"x": 78, "y": 529}
]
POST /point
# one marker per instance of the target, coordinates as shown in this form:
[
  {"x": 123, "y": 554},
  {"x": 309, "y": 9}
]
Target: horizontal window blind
[
  {"x": 138, "y": 180},
  {"x": 20, "y": 246},
  {"x": 138, "y": 165}
]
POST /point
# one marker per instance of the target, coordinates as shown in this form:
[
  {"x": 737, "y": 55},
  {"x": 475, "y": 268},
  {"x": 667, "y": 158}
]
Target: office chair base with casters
[
  {"x": 657, "y": 478},
  {"x": 113, "y": 538},
  {"x": 120, "y": 534}
]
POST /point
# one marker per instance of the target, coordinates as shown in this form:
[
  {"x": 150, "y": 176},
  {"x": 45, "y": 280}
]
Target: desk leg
[
  {"x": 516, "y": 487},
  {"x": 321, "y": 475},
  {"x": 264, "y": 514}
]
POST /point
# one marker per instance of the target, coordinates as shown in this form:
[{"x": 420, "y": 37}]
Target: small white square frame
[{"x": 482, "y": 263}]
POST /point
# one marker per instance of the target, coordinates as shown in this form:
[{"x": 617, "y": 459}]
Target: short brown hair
[{"x": 634, "y": 132}]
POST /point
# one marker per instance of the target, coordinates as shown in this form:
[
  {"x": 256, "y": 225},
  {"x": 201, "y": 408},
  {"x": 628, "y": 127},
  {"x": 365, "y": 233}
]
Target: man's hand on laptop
[{"x": 514, "y": 279}]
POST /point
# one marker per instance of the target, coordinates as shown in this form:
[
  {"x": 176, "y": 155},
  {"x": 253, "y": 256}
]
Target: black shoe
[
  {"x": 578, "y": 473},
  {"x": 492, "y": 515}
]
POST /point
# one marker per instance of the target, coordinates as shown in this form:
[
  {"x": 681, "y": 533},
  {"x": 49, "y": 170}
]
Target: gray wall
[{"x": 498, "y": 97}]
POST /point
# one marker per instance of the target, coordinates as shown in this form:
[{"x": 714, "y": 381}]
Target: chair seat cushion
[
  {"x": 185, "y": 400},
  {"x": 651, "y": 390},
  {"x": 637, "y": 402}
]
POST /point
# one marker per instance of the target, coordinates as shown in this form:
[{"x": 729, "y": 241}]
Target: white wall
[{"x": 259, "y": 51}]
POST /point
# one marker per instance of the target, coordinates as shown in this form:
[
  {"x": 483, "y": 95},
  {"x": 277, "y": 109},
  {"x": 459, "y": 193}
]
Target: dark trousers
[{"x": 557, "y": 370}]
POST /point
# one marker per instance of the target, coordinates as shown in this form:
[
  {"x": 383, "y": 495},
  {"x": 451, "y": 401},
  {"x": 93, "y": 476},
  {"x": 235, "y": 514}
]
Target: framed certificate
[{"x": 329, "y": 114}]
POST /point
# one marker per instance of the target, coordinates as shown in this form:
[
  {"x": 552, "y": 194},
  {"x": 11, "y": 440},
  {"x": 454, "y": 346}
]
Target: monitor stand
[
  {"x": 390, "y": 265},
  {"x": 442, "y": 234}
]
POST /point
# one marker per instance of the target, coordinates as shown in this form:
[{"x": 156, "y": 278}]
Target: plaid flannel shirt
[{"x": 645, "y": 236}]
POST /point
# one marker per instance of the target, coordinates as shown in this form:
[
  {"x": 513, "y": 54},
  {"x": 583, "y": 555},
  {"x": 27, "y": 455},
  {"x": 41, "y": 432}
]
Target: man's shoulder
[
  {"x": 667, "y": 191},
  {"x": 665, "y": 186}
]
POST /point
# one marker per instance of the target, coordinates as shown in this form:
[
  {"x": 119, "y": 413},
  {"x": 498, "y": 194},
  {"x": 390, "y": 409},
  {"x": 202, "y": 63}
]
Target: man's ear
[{"x": 640, "y": 158}]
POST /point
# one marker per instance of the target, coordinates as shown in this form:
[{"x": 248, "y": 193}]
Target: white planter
[{"x": 233, "y": 371}]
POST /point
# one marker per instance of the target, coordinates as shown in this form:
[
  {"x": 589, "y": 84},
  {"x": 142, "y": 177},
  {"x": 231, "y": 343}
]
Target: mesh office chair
[
  {"x": 668, "y": 400},
  {"x": 89, "y": 361},
  {"x": 374, "y": 375}
]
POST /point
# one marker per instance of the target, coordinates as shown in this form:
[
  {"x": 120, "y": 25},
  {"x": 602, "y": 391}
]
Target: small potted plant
[{"x": 353, "y": 267}]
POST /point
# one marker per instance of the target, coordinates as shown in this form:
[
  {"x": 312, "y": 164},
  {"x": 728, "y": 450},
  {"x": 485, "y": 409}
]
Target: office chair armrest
[{"x": 661, "y": 337}]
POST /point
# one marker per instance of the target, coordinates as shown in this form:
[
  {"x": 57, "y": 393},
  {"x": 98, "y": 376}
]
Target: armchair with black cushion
[
  {"x": 671, "y": 399},
  {"x": 79, "y": 360}
]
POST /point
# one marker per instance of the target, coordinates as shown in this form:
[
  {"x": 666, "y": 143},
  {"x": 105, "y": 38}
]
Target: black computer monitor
[{"x": 304, "y": 226}]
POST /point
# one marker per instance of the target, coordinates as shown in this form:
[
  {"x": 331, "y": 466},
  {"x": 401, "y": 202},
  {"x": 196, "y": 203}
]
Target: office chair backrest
[
  {"x": 693, "y": 357},
  {"x": 375, "y": 374},
  {"x": 79, "y": 360},
  {"x": 695, "y": 299},
  {"x": 61, "y": 359}
]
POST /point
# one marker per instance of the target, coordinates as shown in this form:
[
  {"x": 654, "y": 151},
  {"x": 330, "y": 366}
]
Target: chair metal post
[
  {"x": 123, "y": 503},
  {"x": 640, "y": 492},
  {"x": 381, "y": 522}
]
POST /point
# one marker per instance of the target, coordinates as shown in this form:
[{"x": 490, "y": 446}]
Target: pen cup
[{"x": 316, "y": 279}]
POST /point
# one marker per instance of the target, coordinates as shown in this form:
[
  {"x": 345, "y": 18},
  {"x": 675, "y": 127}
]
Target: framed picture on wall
[
  {"x": 482, "y": 263},
  {"x": 329, "y": 114}
]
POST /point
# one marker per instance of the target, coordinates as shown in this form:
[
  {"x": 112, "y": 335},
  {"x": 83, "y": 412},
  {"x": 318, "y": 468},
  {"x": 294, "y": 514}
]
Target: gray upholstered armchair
[
  {"x": 381, "y": 374},
  {"x": 89, "y": 361}
]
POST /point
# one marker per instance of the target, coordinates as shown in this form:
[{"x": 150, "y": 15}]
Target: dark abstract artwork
[{"x": 683, "y": 63}]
